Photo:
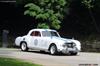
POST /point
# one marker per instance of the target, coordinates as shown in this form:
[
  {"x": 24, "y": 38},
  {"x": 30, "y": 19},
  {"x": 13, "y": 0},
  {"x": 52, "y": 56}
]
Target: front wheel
[
  {"x": 53, "y": 50},
  {"x": 74, "y": 53},
  {"x": 24, "y": 47}
]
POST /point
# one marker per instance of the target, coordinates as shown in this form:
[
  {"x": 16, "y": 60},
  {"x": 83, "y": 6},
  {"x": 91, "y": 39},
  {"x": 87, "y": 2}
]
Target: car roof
[{"x": 43, "y": 30}]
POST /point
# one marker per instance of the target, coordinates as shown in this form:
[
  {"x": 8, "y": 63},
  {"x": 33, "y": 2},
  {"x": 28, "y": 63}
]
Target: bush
[
  {"x": 91, "y": 43},
  {"x": 11, "y": 41},
  {"x": 0, "y": 41}
]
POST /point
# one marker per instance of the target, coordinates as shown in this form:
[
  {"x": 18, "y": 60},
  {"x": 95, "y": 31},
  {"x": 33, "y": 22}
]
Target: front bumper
[{"x": 69, "y": 50}]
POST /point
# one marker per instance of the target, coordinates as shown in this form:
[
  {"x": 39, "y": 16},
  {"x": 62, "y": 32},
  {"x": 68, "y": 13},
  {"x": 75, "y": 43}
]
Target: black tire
[
  {"x": 24, "y": 46},
  {"x": 74, "y": 53},
  {"x": 42, "y": 51},
  {"x": 53, "y": 50}
]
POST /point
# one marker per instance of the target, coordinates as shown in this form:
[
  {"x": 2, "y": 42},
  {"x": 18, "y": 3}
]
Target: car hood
[
  {"x": 62, "y": 39},
  {"x": 65, "y": 40}
]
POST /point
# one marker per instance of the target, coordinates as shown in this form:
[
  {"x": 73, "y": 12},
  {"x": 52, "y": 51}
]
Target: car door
[
  {"x": 34, "y": 39},
  {"x": 45, "y": 40},
  {"x": 37, "y": 40}
]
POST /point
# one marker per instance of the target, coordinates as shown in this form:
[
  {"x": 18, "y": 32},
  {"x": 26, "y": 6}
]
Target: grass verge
[{"x": 14, "y": 62}]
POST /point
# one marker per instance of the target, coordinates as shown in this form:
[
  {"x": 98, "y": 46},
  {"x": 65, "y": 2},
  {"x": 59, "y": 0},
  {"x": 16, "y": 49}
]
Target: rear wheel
[
  {"x": 53, "y": 50},
  {"x": 24, "y": 46}
]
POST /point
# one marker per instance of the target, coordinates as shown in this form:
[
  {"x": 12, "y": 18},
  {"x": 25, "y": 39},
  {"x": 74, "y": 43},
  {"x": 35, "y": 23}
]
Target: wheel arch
[
  {"x": 21, "y": 45},
  {"x": 51, "y": 45},
  {"x": 23, "y": 42}
]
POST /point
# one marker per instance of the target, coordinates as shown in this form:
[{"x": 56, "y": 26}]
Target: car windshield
[{"x": 49, "y": 33}]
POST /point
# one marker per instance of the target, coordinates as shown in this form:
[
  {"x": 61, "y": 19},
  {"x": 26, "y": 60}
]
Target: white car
[{"x": 48, "y": 40}]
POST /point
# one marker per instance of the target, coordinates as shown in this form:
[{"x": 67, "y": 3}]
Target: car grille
[{"x": 70, "y": 45}]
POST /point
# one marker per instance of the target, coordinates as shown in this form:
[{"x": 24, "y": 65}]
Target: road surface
[{"x": 48, "y": 60}]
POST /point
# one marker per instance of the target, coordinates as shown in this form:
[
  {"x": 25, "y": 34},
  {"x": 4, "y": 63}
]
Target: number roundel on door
[{"x": 35, "y": 42}]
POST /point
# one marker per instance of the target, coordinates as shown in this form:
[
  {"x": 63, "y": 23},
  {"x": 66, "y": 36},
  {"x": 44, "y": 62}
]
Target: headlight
[{"x": 74, "y": 44}]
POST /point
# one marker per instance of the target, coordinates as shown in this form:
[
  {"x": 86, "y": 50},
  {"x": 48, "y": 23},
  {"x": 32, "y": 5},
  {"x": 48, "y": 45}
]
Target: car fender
[
  {"x": 19, "y": 40},
  {"x": 58, "y": 43},
  {"x": 78, "y": 44}
]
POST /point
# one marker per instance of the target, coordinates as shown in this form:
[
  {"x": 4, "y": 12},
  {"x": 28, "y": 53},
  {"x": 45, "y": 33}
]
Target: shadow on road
[{"x": 47, "y": 53}]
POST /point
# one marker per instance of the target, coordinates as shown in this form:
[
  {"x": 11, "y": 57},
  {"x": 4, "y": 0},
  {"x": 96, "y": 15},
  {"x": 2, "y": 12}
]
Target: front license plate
[{"x": 71, "y": 49}]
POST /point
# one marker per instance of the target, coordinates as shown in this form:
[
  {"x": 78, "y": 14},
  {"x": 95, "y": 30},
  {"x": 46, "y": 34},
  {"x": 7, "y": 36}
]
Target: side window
[
  {"x": 33, "y": 33},
  {"x": 46, "y": 33},
  {"x": 37, "y": 33}
]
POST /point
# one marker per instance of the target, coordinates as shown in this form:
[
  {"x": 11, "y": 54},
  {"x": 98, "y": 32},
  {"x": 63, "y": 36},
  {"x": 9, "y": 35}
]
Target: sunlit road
[{"x": 48, "y": 60}]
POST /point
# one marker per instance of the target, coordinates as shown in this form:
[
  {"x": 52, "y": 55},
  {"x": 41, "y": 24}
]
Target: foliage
[
  {"x": 88, "y": 3},
  {"x": 43, "y": 25},
  {"x": 83, "y": 15},
  {"x": 48, "y": 12},
  {"x": 14, "y": 62},
  {"x": 97, "y": 3},
  {"x": 22, "y": 2},
  {"x": 0, "y": 41},
  {"x": 0, "y": 44}
]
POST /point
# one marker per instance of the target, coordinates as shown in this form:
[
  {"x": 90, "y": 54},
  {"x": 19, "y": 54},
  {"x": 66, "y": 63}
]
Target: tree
[
  {"x": 48, "y": 13},
  {"x": 90, "y": 4},
  {"x": 23, "y": 2}
]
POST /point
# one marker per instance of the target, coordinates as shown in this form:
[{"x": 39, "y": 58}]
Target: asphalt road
[{"x": 48, "y": 60}]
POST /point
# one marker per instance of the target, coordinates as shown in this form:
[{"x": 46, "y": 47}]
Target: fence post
[{"x": 5, "y": 38}]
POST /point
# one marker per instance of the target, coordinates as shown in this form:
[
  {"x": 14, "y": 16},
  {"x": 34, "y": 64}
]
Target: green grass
[{"x": 14, "y": 62}]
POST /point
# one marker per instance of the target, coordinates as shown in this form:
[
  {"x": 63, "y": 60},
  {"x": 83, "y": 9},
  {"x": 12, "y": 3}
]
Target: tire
[
  {"x": 53, "y": 50},
  {"x": 24, "y": 46},
  {"x": 74, "y": 53},
  {"x": 42, "y": 51}
]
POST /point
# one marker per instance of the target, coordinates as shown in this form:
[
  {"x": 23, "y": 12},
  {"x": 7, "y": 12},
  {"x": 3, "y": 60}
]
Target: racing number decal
[{"x": 35, "y": 42}]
